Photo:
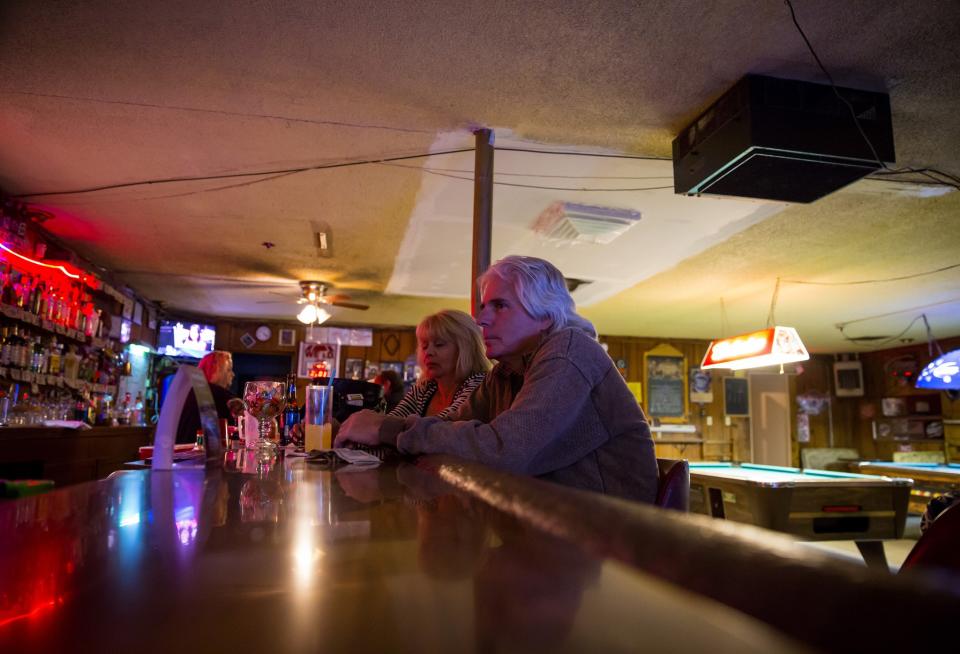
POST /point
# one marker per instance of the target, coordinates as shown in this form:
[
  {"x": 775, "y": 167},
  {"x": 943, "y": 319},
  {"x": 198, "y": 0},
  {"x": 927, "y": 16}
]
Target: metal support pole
[{"x": 482, "y": 211}]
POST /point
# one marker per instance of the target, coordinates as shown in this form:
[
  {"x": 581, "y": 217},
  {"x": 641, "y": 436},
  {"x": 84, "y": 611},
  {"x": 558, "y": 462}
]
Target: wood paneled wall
[
  {"x": 721, "y": 442},
  {"x": 847, "y": 418},
  {"x": 852, "y": 417}
]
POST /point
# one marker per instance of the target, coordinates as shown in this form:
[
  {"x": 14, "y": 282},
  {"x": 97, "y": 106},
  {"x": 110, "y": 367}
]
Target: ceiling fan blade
[{"x": 348, "y": 305}]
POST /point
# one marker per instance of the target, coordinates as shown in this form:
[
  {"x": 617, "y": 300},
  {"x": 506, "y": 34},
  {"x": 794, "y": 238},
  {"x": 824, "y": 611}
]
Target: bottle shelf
[
  {"x": 57, "y": 381},
  {"x": 16, "y": 313}
]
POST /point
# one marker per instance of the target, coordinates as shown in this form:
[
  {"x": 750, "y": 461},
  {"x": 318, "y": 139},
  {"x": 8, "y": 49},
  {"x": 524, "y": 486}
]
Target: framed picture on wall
[
  {"x": 287, "y": 337},
  {"x": 318, "y": 360},
  {"x": 736, "y": 396},
  {"x": 353, "y": 369},
  {"x": 701, "y": 389},
  {"x": 396, "y": 366},
  {"x": 665, "y": 384}
]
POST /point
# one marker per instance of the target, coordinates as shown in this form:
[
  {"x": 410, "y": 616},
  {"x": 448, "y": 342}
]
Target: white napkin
[{"x": 356, "y": 457}]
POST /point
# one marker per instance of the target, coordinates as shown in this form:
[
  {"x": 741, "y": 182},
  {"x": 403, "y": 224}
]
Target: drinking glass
[
  {"x": 317, "y": 427},
  {"x": 264, "y": 400}
]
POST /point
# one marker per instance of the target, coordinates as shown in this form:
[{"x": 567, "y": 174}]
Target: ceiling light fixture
[
  {"x": 768, "y": 347},
  {"x": 312, "y": 314},
  {"x": 775, "y": 345}
]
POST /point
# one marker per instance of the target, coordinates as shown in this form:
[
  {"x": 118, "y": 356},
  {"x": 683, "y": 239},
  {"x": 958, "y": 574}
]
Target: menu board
[
  {"x": 665, "y": 384},
  {"x": 736, "y": 396}
]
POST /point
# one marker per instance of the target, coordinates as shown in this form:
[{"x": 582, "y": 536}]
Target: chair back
[
  {"x": 939, "y": 545},
  {"x": 827, "y": 458},
  {"x": 673, "y": 490},
  {"x": 936, "y": 456}
]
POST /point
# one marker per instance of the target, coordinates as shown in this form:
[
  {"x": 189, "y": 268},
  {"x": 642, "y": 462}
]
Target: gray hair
[{"x": 542, "y": 291}]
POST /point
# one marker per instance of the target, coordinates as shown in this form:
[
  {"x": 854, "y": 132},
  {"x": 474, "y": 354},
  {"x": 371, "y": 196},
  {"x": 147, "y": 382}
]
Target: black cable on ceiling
[
  {"x": 853, "y": 113},
  {"x": 288, "y": 171},
  {"x": 874, "y": 281},
  {"x": 551, "y": 188},
  {"x": 585, "y": 154},
  {"x": 223, "y": 112},
  {"x": 172, "y": 180}
]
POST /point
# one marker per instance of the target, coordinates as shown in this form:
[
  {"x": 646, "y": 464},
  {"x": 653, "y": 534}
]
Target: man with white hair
[{"x": 554, "y": 406}]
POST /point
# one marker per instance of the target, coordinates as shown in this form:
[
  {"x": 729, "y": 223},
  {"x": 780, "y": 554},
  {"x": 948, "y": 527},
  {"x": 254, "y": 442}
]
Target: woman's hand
[
  {"x": 235, "y": 404},
  {"x": 362, "y": 427}
]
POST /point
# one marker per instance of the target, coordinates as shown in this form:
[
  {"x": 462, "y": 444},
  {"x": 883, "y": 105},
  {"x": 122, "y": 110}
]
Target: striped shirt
[{"x": 415, "y": 402}]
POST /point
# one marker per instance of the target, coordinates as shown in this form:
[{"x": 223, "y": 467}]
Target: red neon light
[
  {"x": 29, "y": 614},
  {"x": 62, "y": 266},
  {"x": 62, "y": 269}
]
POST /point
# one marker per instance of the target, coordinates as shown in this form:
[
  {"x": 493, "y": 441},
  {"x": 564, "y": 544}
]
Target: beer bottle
[{"x": 291, "y": 415}]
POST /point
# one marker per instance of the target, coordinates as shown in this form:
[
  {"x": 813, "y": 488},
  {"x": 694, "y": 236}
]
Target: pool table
[
  {"x": 808, "y": 504},
  {"x": 929, "y": 479}
]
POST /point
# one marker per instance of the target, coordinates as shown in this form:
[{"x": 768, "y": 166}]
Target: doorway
[
  {"x": 770, "y": 419},
  {"x": 255, "y": 367}
]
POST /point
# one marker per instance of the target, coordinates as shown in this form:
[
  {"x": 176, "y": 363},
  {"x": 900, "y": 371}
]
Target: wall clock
[{"x": 263, "y": 333}]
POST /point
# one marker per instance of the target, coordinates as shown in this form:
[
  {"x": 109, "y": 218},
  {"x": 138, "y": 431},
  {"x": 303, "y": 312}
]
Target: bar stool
[
  {"x": 939, "y": 545},
  {"x": 673, "y": 491}
]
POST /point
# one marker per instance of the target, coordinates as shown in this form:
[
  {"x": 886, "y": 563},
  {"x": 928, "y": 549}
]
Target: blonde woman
[{"x": 450, "y": 351}]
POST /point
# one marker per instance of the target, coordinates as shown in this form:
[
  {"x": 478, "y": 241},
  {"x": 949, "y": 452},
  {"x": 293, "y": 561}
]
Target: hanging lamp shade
[
  {"x": 943, "y": 373},
  {"x": 767, "y": 347},
  {"x": 308, "y": 314}
]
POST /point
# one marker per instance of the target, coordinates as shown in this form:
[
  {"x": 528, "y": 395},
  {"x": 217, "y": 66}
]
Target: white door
[{"x": 770, "y": 419}]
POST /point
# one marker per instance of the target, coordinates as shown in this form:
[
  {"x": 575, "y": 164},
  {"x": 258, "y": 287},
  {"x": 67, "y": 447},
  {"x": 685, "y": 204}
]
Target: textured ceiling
[{"x": 101, "y": 93}]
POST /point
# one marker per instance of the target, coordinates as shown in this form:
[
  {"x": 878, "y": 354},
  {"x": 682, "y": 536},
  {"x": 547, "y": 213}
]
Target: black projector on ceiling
[{"x": 780, "y": 139}]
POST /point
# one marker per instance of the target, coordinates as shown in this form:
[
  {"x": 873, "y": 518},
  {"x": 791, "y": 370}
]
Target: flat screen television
[{"x": 180, "y": 338}]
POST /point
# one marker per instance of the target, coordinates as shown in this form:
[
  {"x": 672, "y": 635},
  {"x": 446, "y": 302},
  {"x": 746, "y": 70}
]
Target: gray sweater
[{"x": 567, "y": 417}]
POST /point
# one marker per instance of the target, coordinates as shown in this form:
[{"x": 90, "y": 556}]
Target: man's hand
[{"x": 362, "y": 427}]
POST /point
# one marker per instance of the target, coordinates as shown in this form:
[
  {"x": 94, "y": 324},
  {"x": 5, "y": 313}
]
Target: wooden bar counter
[
  {"x": 68, "y": 456},
  {"x": 436, "y": 555}
]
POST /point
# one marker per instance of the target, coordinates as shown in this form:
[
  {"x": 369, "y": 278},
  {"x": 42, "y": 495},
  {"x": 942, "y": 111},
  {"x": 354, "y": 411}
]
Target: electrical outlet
[
  {"x": 709, "y": 421},
  {"x": 727, "y": 421}
]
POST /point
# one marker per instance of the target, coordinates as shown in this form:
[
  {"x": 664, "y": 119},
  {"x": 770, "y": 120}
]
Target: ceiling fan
[
  {"x": 316, "y": 293},
  {"x": 313, "y": 299}
]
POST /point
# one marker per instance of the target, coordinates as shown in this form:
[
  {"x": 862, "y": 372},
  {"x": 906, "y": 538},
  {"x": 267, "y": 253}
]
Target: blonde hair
[
  {"x": 461, "y": 330},
  {"x": 542, "y": 291},
  {"x": 215, "y": 365}
]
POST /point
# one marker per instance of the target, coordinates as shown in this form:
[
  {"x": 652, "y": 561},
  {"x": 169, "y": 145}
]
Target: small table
[
  {"x": 812, "y": 505},
  {"x": 929, "y": 479}
]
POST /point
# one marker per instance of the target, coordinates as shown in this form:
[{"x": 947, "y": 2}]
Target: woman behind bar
[
  {"x": 451, "y": 354},
  {"x": 554, "y": 406},
  {"x": 393, "y": 391},
  {"x": 217, "y": 367}
]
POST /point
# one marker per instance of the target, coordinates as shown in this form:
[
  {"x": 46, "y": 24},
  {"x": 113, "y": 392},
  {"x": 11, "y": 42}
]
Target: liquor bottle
[
  {"x": 291, "y": 415},
  {"x": 24, "y": 350},
  {"x": 126, "y": 407},
  {"x": 5, "y": 347},
  {"x": 71, "y": 364},
  {"x": 36, "y": 358},
  {"x": 55, "y": 358},
  {"x": 137, "y": 417},
  {"x": 20, "y": 290},
  {"x": 6, "y": 295},
  {"x": 36, "y": 297},
  {"x": 12, "y": 355}
]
